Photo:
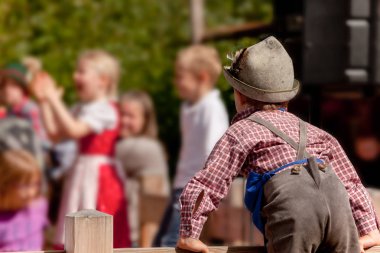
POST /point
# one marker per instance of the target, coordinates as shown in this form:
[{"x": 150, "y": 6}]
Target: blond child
[
  {"x": 95, "y": 181},
  {"x": 302, "y": 190},
  {"x": 23, "y": 209},
  {"x": 144, "y": 162},
  {"x": 203, "y": 120}
]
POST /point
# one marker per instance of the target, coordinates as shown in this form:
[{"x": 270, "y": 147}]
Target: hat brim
[{"x": 260, "y": 94}]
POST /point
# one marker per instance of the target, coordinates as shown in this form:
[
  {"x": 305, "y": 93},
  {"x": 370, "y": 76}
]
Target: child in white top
[{"x": 204, "y": 120}]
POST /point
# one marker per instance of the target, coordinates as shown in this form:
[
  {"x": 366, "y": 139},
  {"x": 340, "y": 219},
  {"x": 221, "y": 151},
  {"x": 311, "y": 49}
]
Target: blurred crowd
[{"x": 102, "y": 153}]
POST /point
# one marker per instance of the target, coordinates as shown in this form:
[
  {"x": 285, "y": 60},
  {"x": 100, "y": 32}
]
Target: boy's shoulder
[
  {"x": 243, "y": 128},
  {"x": 208, "y": 106}
]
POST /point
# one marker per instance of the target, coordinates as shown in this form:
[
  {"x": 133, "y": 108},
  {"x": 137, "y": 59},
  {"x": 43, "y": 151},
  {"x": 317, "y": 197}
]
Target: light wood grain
[
  {"x": 374, "y": 250},
  {"x": 88, "y": 231},
  {"x": 222, "y": 249},
  {"x": 212, "y": 250},
  {"x": 173, "y": 250}
]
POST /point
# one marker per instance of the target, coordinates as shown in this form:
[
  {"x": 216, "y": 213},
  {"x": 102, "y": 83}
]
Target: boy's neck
[
  {"x": 202, "y": 92},
  {"x": 246, "y": 107},
  {"x": 95, "y": 98}
]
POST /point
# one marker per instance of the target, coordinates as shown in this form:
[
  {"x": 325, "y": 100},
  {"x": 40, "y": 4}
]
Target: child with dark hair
[{"x": 15, "y": 78}]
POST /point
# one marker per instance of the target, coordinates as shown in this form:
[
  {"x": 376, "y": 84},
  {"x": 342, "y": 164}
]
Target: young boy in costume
[{"x": 302, "y": 190}]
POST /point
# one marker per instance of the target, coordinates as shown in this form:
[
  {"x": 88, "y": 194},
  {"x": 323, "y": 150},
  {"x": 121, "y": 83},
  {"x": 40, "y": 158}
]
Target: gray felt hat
[{"x": 263, "y": 72}]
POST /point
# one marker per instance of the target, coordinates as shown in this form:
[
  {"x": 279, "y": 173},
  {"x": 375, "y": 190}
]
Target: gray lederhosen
[{"x": 307, "y": 209}]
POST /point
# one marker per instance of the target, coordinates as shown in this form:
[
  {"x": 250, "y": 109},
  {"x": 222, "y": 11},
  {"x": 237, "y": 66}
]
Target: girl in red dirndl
[{"x": 96, "y": 180}]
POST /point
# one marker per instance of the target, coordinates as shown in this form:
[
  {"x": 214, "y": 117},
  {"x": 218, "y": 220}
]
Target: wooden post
[
  {"x": 88, "y": 231},
  {"x": 197, "y": 20}
]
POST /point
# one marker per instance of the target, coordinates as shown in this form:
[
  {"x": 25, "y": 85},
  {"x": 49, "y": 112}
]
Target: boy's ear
[
  {"x": 106, "y": 79},
  {"x": 204, "y": 76},
  {"x": 241, "y": 97}
]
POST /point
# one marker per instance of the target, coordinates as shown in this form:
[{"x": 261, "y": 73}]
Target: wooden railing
[{"x": 90, "y": 231}]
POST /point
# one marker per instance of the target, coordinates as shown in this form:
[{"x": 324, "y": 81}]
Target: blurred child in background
[
  {"x": 23, "y": 208},
  {"x": 14, "y": 83},
  {"x": 203, "y": 120},
  {"x": 95, "y": 181},
  {"x": 144, "y": 160}
]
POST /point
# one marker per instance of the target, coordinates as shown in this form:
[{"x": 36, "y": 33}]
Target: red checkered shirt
[{"x": 247, "y": 146}]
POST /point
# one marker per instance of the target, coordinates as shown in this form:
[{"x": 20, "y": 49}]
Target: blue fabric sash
[{"x": 254, "y": 191}]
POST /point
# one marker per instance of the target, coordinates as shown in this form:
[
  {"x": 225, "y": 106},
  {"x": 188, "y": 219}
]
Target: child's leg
[
  {"x": 341, "y": 233},
  {"x": 168, "y": 233}
]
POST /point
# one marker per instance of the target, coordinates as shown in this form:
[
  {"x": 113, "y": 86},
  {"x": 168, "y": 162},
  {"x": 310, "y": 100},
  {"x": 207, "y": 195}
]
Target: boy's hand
[
  {"x": 369, "y": 240},
  {"x": 192, "y": 244}
]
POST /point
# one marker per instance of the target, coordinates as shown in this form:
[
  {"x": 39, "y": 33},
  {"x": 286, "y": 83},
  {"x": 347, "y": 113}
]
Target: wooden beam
[
  {"x": 43, "y": 251},
  {"x": 173, "y": 250},
  {"x": 237, "y": 31},
  {"x": 220, "y": 249},
  {"x": 212, "y": 250},
  {"x": 90, "y": 231}
]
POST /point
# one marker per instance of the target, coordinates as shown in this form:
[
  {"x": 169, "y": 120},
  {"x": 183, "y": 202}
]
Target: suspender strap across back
[
  {"x": 300, "y": 147},
  {"x": 255, "y": 182},
  {"x": 301, "y": 151}
]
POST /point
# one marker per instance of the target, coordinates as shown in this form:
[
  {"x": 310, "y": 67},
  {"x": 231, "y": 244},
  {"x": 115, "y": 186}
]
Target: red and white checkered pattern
[{"x": 247, "y": 146}]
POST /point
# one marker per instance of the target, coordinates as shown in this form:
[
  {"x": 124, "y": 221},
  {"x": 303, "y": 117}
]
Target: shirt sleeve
[
  {"x": 361, "y": 205},
  {"x": 99, "y": 117},
  {"x": 210, "y": 185}
]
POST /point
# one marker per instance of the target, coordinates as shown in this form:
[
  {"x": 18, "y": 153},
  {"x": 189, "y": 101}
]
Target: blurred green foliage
[{"x": 144, "y": 34}]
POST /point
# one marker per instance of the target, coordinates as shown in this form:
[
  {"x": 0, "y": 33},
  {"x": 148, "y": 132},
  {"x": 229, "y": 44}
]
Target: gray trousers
[{"x": 308, "y": 212}]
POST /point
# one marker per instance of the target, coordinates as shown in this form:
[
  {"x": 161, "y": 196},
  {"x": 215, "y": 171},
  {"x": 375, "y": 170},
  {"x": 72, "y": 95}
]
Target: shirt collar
[
  {"x": 248, "y": 112},
  {"x": 243, "y": 114}
]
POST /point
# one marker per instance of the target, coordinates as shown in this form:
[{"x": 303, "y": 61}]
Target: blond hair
[
  {"x": 201, "y": 58},
  {"x": 105, "y": 64},
  {"x": 16, "y": 167},
  {"x": 150, "y": 128}
]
